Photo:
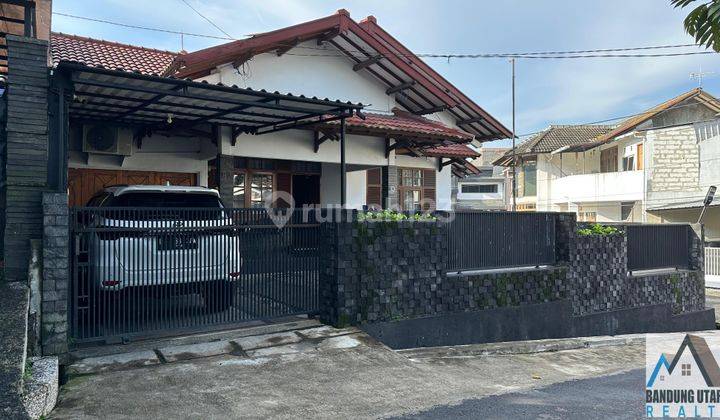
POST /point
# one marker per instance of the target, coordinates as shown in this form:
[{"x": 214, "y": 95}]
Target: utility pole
[{"x": 514, "y": 175}]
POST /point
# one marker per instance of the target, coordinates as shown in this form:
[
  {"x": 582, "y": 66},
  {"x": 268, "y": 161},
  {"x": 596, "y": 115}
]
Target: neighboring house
[
  {"x": 402, "y": 154},
  {"x": 485, "y": 190},
  {"x": 654, "y": 167},
  {"x": 540, "y": 159}
]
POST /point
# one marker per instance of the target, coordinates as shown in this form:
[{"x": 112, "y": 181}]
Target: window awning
[{"x": 167, "y": 103}]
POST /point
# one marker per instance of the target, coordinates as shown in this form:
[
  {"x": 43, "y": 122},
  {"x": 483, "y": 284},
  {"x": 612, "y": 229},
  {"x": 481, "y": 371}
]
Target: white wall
[
  {"x": 158, "y": 153},
  {"x": 298, "y": 145},
  {"x": 322, "y": 74},
  {"x": 443, "y": 192}
]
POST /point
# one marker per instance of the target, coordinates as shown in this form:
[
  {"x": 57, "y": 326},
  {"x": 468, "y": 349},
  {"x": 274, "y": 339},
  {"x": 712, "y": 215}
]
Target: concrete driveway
[{"x": 346, "y": 376}]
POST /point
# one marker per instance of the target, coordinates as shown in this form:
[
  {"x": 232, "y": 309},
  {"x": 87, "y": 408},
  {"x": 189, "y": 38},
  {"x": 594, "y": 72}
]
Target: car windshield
[{"x": 165, "y": 199}]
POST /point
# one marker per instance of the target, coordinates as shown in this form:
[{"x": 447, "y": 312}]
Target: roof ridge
[
  {"x": 113, "y": 43},
  {"x": 580, "y": 126}
]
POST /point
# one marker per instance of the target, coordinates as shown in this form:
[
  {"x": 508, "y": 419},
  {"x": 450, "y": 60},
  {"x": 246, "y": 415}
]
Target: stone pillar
[
  {"x": 390, "y": 187},
  {"x": 56, "y": 273},
  {"x": 26, "y": 151},
  {"x": 226, "y": 171},
  {"x": 565, "y": 225}
]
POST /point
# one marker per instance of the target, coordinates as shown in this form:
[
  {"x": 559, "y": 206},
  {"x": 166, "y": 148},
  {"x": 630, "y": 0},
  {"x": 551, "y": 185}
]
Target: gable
[
  {"x": 686, "y": 112},
  {"x": 369, "y": 50},
  {"x": 307, "y": 71}
]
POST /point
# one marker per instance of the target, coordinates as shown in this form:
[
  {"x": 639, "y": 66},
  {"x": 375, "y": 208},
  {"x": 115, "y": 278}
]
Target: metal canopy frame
[{"x": 164, "y": 103}]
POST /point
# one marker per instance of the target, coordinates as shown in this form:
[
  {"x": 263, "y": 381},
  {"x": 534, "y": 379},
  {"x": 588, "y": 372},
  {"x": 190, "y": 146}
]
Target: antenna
[{"x": 700, "y": 75}]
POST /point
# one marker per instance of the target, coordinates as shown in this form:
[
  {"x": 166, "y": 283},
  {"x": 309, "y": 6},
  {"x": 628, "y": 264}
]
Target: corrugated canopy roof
[{"x": 152, "y": 101}]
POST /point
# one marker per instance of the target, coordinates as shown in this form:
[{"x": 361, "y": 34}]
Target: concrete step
[
  {"x": 244, "y": 344},
  {"x": 247, "y": 329}
]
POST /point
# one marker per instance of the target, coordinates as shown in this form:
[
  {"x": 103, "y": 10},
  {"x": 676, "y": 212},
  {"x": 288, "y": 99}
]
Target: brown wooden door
[{"x": 84, "y": 183}]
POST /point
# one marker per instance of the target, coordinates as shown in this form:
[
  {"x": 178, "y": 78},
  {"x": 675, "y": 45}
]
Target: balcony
[{"x": 589, "y": 188}]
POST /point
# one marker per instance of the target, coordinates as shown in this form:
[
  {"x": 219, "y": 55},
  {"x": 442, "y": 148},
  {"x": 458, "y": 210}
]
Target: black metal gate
[{"x": 153, "y": 271}]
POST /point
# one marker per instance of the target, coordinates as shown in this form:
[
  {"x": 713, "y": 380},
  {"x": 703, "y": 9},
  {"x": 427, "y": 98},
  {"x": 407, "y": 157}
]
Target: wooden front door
[{"x": 84, "y": 183}]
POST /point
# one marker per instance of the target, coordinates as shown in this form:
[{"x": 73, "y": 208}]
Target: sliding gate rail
[{"x": 156, "y": 271}]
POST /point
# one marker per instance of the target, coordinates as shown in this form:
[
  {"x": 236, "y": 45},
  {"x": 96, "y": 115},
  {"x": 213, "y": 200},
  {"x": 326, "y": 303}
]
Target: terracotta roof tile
[
  {"x": 407, "y": 124},
  {"x": 111, "y": 55},
  {"x": 452, "y": 151}
]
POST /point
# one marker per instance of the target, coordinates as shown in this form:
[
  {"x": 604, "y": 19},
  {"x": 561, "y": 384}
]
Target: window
[
  {"x": 587, "y": 216},
  {"x": 416, "y": 189},
  {"x": 261, "y": 188},
  {"x": 609, "y": 160},
  {"x": 411, "y": 200},
  {"x": 529, "y": 179},
  {"x": 686, "y": 369},
  {"x": 628, "y": 163},
  {"x": 478, "y": 188},
  {"x": 626, "y": 210},
  {"x": 412, "y": 177},
  {"x": 239, "y": 190}
]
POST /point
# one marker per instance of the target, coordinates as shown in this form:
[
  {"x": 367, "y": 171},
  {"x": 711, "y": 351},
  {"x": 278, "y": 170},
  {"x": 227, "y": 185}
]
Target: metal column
[{"x": 343, "y": 171}]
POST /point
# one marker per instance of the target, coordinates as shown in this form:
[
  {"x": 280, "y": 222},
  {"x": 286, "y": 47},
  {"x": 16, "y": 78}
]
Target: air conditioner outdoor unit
[{"x": 106, "y": 139}]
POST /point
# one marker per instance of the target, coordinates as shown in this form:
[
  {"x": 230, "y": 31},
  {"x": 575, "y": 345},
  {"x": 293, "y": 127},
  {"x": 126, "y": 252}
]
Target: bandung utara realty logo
[{"x": 685, "y": 383}]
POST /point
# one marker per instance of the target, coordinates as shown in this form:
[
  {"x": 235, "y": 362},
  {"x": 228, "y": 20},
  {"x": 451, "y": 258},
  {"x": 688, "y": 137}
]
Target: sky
[{"x": 570, "y": 91}]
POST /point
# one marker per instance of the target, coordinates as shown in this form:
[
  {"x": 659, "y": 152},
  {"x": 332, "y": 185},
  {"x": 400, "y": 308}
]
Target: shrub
[
  {"x": 394, "y": 216},
  {"x": 598, "y": 230}
]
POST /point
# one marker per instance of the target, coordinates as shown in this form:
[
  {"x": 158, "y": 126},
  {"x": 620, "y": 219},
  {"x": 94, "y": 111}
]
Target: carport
[
  {"x": 154, "y": 104},
  {"x": 166, "y": 259}
]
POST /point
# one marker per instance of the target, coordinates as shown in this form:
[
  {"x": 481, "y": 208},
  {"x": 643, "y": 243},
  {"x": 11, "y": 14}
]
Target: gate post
[{"x": 56, "y": 273}]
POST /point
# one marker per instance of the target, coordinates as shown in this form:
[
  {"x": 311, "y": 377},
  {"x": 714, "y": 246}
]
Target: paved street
[
  {"x": 712, "y": 300},
  {"x": 614, "y": 396},
  {"x": 349, "y": 376}
]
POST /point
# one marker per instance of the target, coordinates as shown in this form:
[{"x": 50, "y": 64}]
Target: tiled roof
[
  {"x": 111, "y": 55},
  {"x": 554, "y": 138},
  {"x": 451, "y": 151},
  {"x": 403, "y": 123},
  {"x": 636, "y": 120}
]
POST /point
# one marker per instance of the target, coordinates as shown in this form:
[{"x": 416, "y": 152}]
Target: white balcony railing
[{"x": 589, "y": 188}]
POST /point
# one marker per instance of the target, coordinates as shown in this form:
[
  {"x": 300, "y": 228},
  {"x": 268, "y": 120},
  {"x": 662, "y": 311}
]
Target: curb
[{"x": 523, "y": 347}]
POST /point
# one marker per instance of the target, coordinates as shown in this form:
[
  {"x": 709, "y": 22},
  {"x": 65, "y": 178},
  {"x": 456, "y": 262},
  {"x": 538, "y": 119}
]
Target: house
[
  {"x": 485, "y": 190},
  {"x": 392, "y": 135},
  {"x": 541, "y": 159},
  {"x": 653, "y": 167},
  {"x": 399, "y": 152}
]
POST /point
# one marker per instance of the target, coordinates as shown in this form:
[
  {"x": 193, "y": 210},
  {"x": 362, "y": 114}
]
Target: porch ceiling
[{"x": 152, "y": 101}]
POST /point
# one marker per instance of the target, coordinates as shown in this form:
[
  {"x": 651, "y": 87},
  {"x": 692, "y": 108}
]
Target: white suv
[{"x": 147, "y": 236}]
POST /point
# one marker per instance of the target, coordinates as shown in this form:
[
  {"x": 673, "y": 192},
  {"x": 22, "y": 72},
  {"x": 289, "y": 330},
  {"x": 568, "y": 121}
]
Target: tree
[{"x": 703, "y": 22}]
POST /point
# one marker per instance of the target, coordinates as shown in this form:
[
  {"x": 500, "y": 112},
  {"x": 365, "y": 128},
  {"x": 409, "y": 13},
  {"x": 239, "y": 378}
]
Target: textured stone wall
[
  {"x": 381, "y": 271},
  {"x": 26, "y": 151},
  {"x": 226, "y": 172},
  {"x": 675, "y": 160},
  {"x": 56, "y": 274}
]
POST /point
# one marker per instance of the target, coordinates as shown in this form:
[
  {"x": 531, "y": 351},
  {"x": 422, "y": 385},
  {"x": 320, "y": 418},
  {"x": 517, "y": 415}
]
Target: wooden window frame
[{"x": 248, "y": 183}]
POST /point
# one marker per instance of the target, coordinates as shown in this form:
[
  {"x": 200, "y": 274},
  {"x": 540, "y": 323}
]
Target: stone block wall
[
  {"x": 382, "y": 271},
  {"x": 26, "y": 151},
  {"x": 56, "y": 274}
]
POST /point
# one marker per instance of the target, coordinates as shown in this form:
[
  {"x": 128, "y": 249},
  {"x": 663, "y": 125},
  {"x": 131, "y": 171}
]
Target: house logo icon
[{"x": 677, "y": 366}]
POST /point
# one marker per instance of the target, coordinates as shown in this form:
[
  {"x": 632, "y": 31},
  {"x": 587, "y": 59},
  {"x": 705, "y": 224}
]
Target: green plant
[
  {"x": 394, "y": 216},
  {"x": 703, "y": 22},
  {"x": 598, "y": 230},
  {"x": 27, "y": 372}
]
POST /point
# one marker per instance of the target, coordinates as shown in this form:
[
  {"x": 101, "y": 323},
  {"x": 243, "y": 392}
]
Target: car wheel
[{"x": 220, "y": 296}]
